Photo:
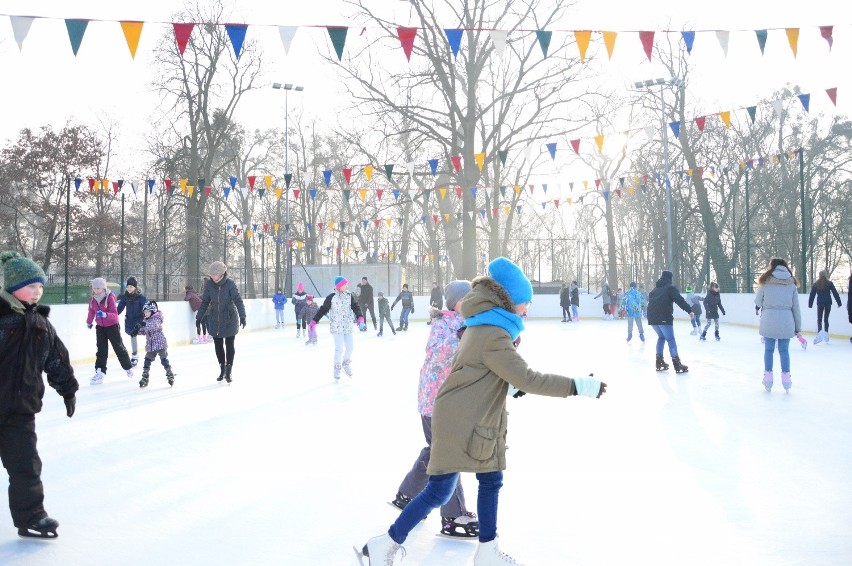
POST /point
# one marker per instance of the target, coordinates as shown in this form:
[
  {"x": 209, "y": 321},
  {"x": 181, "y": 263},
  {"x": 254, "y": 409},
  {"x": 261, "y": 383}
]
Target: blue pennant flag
[
  {"x": 396, "y": 194},
  {"x": 151, "y": 186},
  {"x": 675, "y": 126},
  {"x": 433, "y": 164},
  {"x": 454, "y": 37},
  {"x": 327, "y": 176},
  {"x": 313, "y": 193},
  {"x": 688, "y": 40},
  {"x": 551, "y": 147},
  {"x": 233, "y": 181}
]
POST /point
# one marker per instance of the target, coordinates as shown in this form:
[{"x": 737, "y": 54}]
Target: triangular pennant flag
[
  {"x": 752, "y": 112},
  {"x": 456, "y": 160},
  {"x": 151, "y": 184},
  {"x": 482, "y": 212},
  {"x": 326, "y": 175},
  {"x": 363, "y": 194},
  {"x": 389, "y": 170},
  {"x": 347, "y": 174},
  {"x": 805, "y": 99},
  {"x": 606, "y": 195},
  {"x": 494, "y": 212},
  {"x": 21, "y": 28},
  {"x": 409, "y": 166},
  {"x": 473, "y": 193},
  {"x": 182, "y": 33},
  {"x": 597, "y": 183},
  {"x": 532, "y": 189},
  {"x": 227, "y": 191},
  {"x": 832, "y": 94},
  {"x": 688, "y": 40},
  {"x": 544, "y": 187},
  {"x": 296, "y": 194},
  {"x": 279, "y": 192},
  {"x": 379, "y": 193},
  {"x": 454, "y": 37},
  {"x": 433, "y": 166},
  {"x": 551, "y": 147},
  {"x": 723, "y": 36},
  {"x": 458, "y": 192},
  {"x": 675, "y": 126},
  {"x": 287, "y": 34},
  {"x": 700, "y": 122},
  {"x": 517, "y": 189},
  {"x": 233, "y": 181},
  {"x": 647, "y": 39},
  {"x": 237, "y": 35},
  {"x": 338, "y": 39},
  {"x": 312, "y": 193},
  {"x": 406, "y": 38},
  {"x": 446, "y": 217},
  {"x": 368, "y": 172},
  {"x": 346, "y": 193},
  {"x": 365, "y": 224},
  {"x": 443, "y": 192},
  {"x": 503, "y": 154},
  {"x": 207, "y": 190},
  {"x": 582, "y": 37},
  {"x": 576, "y": 145},
  {"x": 115, "y": 187},
  {"x": 726, "y": 118},
  {"x": 556, "y": 203},
  {"x": 132, "y": 33},
  {"x": 761, "y": 39},
  {"x": 778, "y": 106},
  {"x": 190, "y": 189},
  {"x": 435, "y": 218},
  {"x": 288, "y": 178},
  {"x": 183, "y": 184},
  {"x": 498, "y": 38},
  {"x": 609, "y": 41},
  {"x": 826, "y": 33},
  {"x": 480, "y": 160},
  {"x": 544, "y": 40},
  {"x": 76, "y": 31},
  {"x": 396, "y": 194},
  {"x": 251, "y": 180},
  {"x": 599, "y": 140},
  {"x": 793, "y": 38}
]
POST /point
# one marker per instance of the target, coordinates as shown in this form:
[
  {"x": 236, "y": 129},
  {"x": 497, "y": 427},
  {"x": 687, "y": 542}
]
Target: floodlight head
[
  {"x": 677, "y": 82},
  {"x": 276, "y": 85},
  {"x": 661, "y": 81},
  {"x": 300, "y": 88},
  {"x": 638, "y": 84},
  {"x": 649, "y": 82}
]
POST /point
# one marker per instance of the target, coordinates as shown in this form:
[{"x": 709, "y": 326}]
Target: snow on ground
[{"x": 287, "y": 467}]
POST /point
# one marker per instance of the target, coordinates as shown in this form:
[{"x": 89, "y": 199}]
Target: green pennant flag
[
  {"x": 338, "y": 39},
  {"x": 426, "y": 193},
  {"x": 346, "y": 193},
  {"x": 752, "y": 112},
  {"x": 503, "y": 154},
  {"x": 502, "y": 190},
  {"x": 389, "y": 170},
  {"x": 288, "y": 177},
  {"x": 544, "y": 40}
]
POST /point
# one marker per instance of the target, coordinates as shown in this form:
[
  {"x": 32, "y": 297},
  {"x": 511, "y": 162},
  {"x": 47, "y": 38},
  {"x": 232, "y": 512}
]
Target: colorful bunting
[{"x": 406, "y": 39}]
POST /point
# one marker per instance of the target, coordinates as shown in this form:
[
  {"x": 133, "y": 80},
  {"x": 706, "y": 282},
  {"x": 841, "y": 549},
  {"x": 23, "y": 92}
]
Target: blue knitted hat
[
  {"x": 19, "y": 271},
  {"x": 340, "y": 281},
  {"x": 512, "y": 279}
]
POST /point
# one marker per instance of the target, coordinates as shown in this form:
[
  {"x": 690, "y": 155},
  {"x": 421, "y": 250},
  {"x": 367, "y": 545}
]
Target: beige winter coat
[{"x": 469, "y": 419}]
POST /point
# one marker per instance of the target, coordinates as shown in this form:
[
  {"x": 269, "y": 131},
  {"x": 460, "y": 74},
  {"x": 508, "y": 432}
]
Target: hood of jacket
[
  {"x": 488, "y": 303},
  {"x": 780, "y": 276}
]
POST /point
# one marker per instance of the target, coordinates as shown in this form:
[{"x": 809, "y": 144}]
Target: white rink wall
[{"x": 70, "y": 320}]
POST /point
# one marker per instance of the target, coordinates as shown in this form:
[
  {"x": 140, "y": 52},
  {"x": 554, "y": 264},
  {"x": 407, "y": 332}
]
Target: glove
[
  {"x": 312, "y": 326},
  {"x": 242, "y": 323},
  {"x": 589, "y": 387},
  {"x": 756, "y": 309},
  {"x": 515, "y": 392},
  {"x": 70, "y": 405},
  {"x": 89, "y": 325},
  {"x": 101, "y": 314}
]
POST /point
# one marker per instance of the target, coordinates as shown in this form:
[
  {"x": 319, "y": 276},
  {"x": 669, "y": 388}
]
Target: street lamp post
[
  {"x": 649, "y": 84},
  {"x": 288, "y": 287}
]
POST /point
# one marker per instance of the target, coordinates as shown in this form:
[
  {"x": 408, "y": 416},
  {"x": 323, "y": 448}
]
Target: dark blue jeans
[
  {"x": 438, "y": 491},
  {"x": 665, "y": 333},
  {"x": 403, "y": 317}
]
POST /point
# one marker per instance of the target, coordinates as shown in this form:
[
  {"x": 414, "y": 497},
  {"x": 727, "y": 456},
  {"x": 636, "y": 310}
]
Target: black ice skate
[
  {"x": 717, "y": 336},
  {"x": 464, "y": 526},
  {"x": 228, "y": 372},
  {"x": 221, "y": 372},
  {"x": 43, "y": 528},
  {"x": 170, "y": 377},
  {"x": 400, "y": 501},
  {"x": 144, "y": 381},
  {"x": 661, "y": 363},
  {"x": 679, "y": 367}
]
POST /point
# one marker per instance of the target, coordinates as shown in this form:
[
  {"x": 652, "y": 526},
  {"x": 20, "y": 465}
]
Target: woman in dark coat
[
  {"x": 565, "y": 302},
  {"x": 823, "y": 289},
  {"x": 222, "y": 304}
]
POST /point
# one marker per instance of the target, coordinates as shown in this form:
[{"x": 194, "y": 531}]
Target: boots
[
  {"x": 98, "y": 377},
  {"x": 679, "y": 367},
  {"x": 144, "y": 381},
  {"x": 786, "y": 381},
  {"x": 661, "y": 363},
  {"x": 170, "y": 377},
  {"x": 704, "y": 336},
  {"x": 228, "y": 372},
  {"x": 489, "y": 554},
  {"x": 629, "y": 335},
  {"x": 381, "y": 550},
  {"x": 221, "y": 372},
  {"x": 347, "y": 367},
  {"x": 134, "y": 359},
  {"x": 717, "y": 336},
  {"x": 337, "y": 368},
  {"x": 767, "y": 380},
  {"x": 298, "y": 332}
]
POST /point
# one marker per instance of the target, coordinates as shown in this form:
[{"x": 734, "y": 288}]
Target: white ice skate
[
  {"x": 381, "y": 551},
  {"x": 489, "y": 554},
  {"x": 98, "y": 377},
  {"x": 818, "y": 338}
]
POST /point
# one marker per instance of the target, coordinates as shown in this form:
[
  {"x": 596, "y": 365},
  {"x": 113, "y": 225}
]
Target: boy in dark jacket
[
  {"x": 28, "y": 346},
  {"x": 384, "y": 314},
  {"x": 133, "y": 300},
  {"x": 661, "y": 302},
  {"x": 407, "y": 306}
]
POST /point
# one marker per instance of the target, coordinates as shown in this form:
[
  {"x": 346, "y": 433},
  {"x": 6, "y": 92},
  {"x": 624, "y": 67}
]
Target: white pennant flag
[
  {"x": 21, "y": 28},
  {"x": 723, "y": 36},
  {"x": 133, "y": 185},
  {"x": 528, "y": 152},
  {"x": 409, "y": 166},
  {"x": 287, "y": 35},
  {"x": 649, "y": 132},
  {"x": 498, "y": 36},
  {"x": 778, "y": 106}
]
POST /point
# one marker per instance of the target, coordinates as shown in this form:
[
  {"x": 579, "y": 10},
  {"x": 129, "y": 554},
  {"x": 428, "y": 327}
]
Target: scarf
[{"x": 508, "y": 321}]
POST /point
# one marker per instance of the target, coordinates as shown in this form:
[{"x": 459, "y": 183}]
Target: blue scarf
[{"x": 508, "y": 321}]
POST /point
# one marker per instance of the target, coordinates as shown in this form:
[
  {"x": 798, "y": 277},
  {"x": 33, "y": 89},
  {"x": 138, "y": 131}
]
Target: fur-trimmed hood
[{"x": 485, "y": 294}]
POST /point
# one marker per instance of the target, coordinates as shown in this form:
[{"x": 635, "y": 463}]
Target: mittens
[
  {"x": 589, "y": 387},
  {"x": 70, "y": 405},
  {"x": 242, "y": 323},
  {"x": 312, "y": 326},
  {"x": 101, "y": 314},
  {"x": 89, "y": 326}
]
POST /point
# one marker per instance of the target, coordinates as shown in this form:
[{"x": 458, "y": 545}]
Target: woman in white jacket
[{"x": 777, "y": 301}]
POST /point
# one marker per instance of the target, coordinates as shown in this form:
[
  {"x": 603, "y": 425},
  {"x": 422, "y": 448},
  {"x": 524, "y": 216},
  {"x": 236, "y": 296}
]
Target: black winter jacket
[
  {"x": 407, "y": 300},
  {"x": 223, "y": 305},
  {"x": 661, "y": 302},
  {"x": 29, "y": 346},
  {"x": 436, "y": 298},
  {"x": 713, "y": 304},
  {"x": 366, "y": 294},
  {"x": 133, "y": 303}
]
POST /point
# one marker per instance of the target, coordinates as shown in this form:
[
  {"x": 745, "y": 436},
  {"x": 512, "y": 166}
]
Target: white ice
[{"x": 286, "y": 467}]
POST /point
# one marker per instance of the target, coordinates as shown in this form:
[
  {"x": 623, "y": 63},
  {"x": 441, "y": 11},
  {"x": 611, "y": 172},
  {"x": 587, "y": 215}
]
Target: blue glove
[
  {"x": 101, "y": 314},
  {"x": 90, "y": 326},
  {"x": 589, "y": 387}
]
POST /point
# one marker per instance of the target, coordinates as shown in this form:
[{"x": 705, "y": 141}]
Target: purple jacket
[{"x": 153, "y": 330}]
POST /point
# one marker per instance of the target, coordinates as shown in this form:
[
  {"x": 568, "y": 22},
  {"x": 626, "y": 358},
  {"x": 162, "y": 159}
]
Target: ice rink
[{"x": 286, "y": 467}]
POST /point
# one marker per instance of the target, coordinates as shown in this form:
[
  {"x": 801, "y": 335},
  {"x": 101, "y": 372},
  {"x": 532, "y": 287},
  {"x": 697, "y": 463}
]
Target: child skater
[
  {"x": 823, "y": 289},
  {"x": 695, "y": 300},
  {"x": 279, "y": 299},
  {"x": 456, "y": 520},
  {"x": 777, "y": 300},
  {"x": 103, "y": 311},
  {"x": 384, "y": 314},
  {"x": 342, "y": 309},
  {"x": 200, "y": 322},
  {"x": 469, "y": 416},
  {"x": 28, "y": 346},
  {"x": 633, "y": 305},
  {"x": 712, "y": 305},
  {"x": 132, "y": 299},
  {"x": 299, "y": 301},
  {"x": 155, "y": 342},
  {"x": 311, "y": 310}
]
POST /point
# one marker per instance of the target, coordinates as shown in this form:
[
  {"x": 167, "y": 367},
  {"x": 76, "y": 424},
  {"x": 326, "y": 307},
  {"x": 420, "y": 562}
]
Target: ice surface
[{"x": 287, "y": 467}]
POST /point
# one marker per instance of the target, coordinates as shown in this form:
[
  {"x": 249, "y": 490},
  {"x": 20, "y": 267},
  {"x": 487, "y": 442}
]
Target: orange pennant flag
[
  {"x": 517, "y": 189},
  {"x": 480, "y": 160},
  {"x": 268, "y": 181},
  {"x": 189, "y": 190},
  {"x": 105, "y": 185},
  {"x": 726, "y": 118},
  {"x": 443, "y": 192},
  {"x": 132, "y": 33},
  {"x": 368, "y": 172},
  {"x": 609, "y": 40},
  {"x": 583, "y": 37},
  {"x": 388, "y": 221},
  {"x": 507, "y": 210},
  {"x": 183, "y": 184},
  {"x": 599, "y": 140},
  {"x": 793, "y": 38}
]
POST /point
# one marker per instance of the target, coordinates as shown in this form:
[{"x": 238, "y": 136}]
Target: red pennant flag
[
  {"x": 207, "y": 190},
  {"x": 576, "y": 145},
  {"x": 645, "y": 178},
  {"x": 347, "y": 174},
  {"x": 532, "y": 188},
  {"x": 597, "y": 183},
  {"x": 251, "y": 179},
  {"x": 825, "y": 32},
  {"x": 182, "y": 33},
  {"x": 91, "y": 184},
  {"x": 618, "y": 192},
  {"x": 406, "y": 38},
  {"x": 435, "y": 218},
  {"x": 459, "y": 192},
  {"x": 700, "y": 122},
  {"x": 320, "y": 225},
  {"x": 700, "y": 172},
  {"x": 832, "y": 94},
  {"x": 456, "y": 159},
  {"x": 168, "y": 184},
  {"x": 377, "y": 221},
  {"x": 556, "y": 202},
  {"x": 296, "y": 194},
  {"x": 494, "y": 212},
  {"x": 379, "y": 193},
  {"x": 289, "y": 243},
  {"x": 115, "y": 187},
  {"x": 266, "y": 227},
  {"x": 647, "y": 39}
]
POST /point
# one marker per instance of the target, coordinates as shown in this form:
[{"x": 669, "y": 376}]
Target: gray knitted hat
[
  {"x": 455, "y": 292},
  {"x": 217, "y": 268}
]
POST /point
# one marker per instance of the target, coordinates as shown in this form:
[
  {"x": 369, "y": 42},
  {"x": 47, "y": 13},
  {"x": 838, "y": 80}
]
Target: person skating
[
  {"x": 279, "y": 299},
  {"x": 226, "y": 314},
  {"x": 104, "y": 313},
  {"x": 469, "y": 415},
  {"x": 342, "y": 310},
  {"x": 777, "y": 301},
  {"x": 823, "y": 289},
  {"x": 133, "y": 300},
  {"x": 633, "y": 304},
  {"x": 661, "y": 301},
  {"x": 299, "y": 301},
  {"x": 155, "y": 342},
  {"x": 712, "y": 306},
  {"x": 311, "y": 309},
  {"x": 606, "y": 299},
  {"x": 365, "y": 301},
  {"x": 565, "y": 302},
  {"x": 384, "y": 314},
  {"x": 29, "y": 346},
  {"x": 200, "y": 322},
  {"x": 695, "y": 300},
  {"x": 407, "y": 306},
  {"x": 436, "y": 300},
  {"x": 575, "y": 301},
  {"x": 441, "y": 346}
]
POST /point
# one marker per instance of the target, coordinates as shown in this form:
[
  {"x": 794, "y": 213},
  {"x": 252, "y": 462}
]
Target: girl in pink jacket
[{"x": 104, "y": 314}]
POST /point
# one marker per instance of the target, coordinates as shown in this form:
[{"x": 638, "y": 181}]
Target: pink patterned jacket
[{"x": 440, "y": 350}]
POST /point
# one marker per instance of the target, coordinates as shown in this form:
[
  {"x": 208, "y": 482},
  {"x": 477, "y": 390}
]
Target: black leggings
[
  {"x": 225, "y": 354},
  {"x": 822, "y": 315},
  {"x": 201, "y": 326}
]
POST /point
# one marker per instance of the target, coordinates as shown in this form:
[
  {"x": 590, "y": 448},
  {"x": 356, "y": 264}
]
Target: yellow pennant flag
[
  {"x": 570, "y": 200},
  {"x": 268, "y": 180},
  {"x": 368, "y": 172},
  {"x": 388, "y": 221},
  {"x": 507, "y": 210},
  {"x": 583, "y": 37},
  {"x": 689, "y": 172},
  {"x": 599, "y": 141},
  {"x": 183, "y": 184},
  {"x": 742, "y": 165},
  {"x": 443, "y": 192},
  {"x": 517, "y": 189},
  {"x": 346, "y": 251},
  {"x": 775, "y": 158},
  {"x": 446, "y": 217},
  {"x": 190, "y": 189},
  {"x": 480, "y": 160},
  {"x": 392, "y": 256},
  {"x": 105, "y": 185},
  {"x": 726, "y": 118},
  {"x": 249, "y": 233},
  {"x": 631, "y": 189},
  {"x": 331, "y": 225},
  {"x": 793, "y": 38},
  {"x": 278, "y": 192},
  {"x": 609, "y": 41},
  {"x": 276, "y": 226},
  {"x": 635, "y": 179},
  {"x": 586, "y": 184},
  {"x": 363, "y": 194},
  {"x": 132, "y": 33},
  {"x": 300, "y": 244}
]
